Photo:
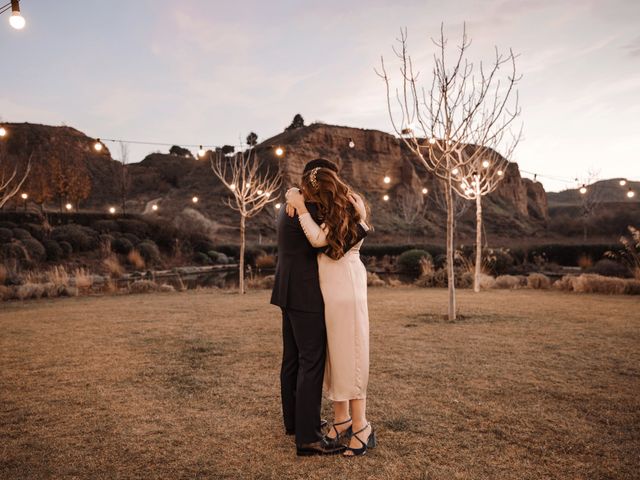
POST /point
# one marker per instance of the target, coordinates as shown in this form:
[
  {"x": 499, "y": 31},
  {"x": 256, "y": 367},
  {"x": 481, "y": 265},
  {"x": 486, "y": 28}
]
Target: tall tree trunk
[
  {"x": 476, "y": 278},
  {"x": 241, "y": 260},
  {"x": 450, "y": 272}
]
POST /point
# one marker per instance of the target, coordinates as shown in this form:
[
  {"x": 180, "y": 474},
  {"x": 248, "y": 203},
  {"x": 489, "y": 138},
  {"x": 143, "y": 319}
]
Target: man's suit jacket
[{"x": 297, "y": 285}]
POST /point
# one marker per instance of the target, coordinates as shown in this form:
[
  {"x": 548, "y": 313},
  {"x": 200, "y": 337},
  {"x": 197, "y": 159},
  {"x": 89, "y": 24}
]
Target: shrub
[
  {"x": 36, "y": 250},
  {"x": 9, "y": 225},
  {"x": 143, "y": 286},
  {"x": 585, "y": 261},
  {"x": 75, "y": 235},
  {"x": 5, "y": 235},
  {"x": 106, "y": 226},
  {"x": 21, "y": 234},
  {"x": 222, "y": 259},
  {"x": 499, "y": 260},
  {"x": 6, "y": 293},
  {"x": 266, "y": 261},
  {"x": 137, "y": 227},
  {"x": 538, "y": 281},
  {"x": 437, "y": 279},
  {"x": 261, "y": 282},
  {"x": 149, "y": 252},
  {"x": 252, "y": 254},
  {"x": 136, "y": 259},
  {"x": 609, "y": 268},
  {"x": 134, "y": 239},
  {"x": 14, "y": 250},
  {"x": 565, "y": 283},
  {"x": 202, "y": 258},
  {"x": 507, "y": 281},
  {"x": 36, "y": 231},
  {"x": 29, "y": 290},
  {"x": 487, "y": 281},
  {"x": 53, "y": 250},
  {"x": 82, "y": 278},
  {"x": 213, "y": 255},
  {"x": 632, "y": 287},
  {"x": 409, "y": 261},
  {"x": 66, "y": 248},
  {"x": 122, "y": 245},
  {"x": 592, "y": 283},
  {"x": 113, "y": 266},
  {"x": 465, "y": 280},
  {"x": 373, "y": 280}
]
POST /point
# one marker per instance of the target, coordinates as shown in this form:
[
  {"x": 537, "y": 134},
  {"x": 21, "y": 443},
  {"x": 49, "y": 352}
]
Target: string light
[
  {"x": 485, "y": 163},
  {"x": 201, "y": 152},
  {"x": 16, "y": 20},
  {"x": 623, "y": 182},
  {"x": 98, "y": 145},
  {"x": 387, "y": 179},
  {"x": 232, "y": 187},
  {"x": 154, "y": 207},
  {"x": 279, "y": 151},
  {"x": 631, "y": 193},
  {"x": 24, "y": 196},
  {"x": 3, "y": 131},
  {"x": 68, "y": 206},
  {"x": 112, "y": 210},
  {"x": 455, "y": 171},
  {"x": 260, "y": 192},
  {"x": 432, "y": 140},
  {"x": 352, "y": 144},
  {"x": 500, "y": 173},
  {"x": 583, "y": 189},
  {"x": 194, "y": 199},
  {"x": 425, "y": 191},
  {"x": 385, "y": 198},
  {"x": 278, "y": 205},
  {"x": 267, "y": 194}
]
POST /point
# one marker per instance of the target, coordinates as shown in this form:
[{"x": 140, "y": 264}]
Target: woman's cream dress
[{"x": 344, "y": 289}]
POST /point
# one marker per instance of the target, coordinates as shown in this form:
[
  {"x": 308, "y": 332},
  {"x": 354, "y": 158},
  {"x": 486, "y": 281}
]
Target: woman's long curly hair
[{"x": 336, "y": 211}]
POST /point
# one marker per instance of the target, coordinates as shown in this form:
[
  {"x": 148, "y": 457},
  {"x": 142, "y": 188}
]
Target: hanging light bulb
[
  {"x": 485, "y": 163},
  {"x": 352, "y": 144},
  {"x": 631, "y": 193},
  {"x": 385, "y": 198},
  {"x": 267, "y": 194},
  {"x": 24, "y": 196},
  {"x": 232, "y": 186},
  {"x": 201, "y": 152},
  {"x": 583, "y": 189},
  {"x": 260, "y": 192},
  {"x": 500, "y": 173},
  {"x": 278, "y": 205},
  {"x": 195, "y": 199},
  {"x": 387, "y": 179},
  {"x": 455, "y": 171},
  {"x": 98, "y": 145},
  {"x": 432, "y": 140},
  {"x": 3, "y": 131},
  {"x": 623, "y": 182},
  {"x": 425, "y": 191},
  {"x": 247, "y": 184},
  {"x": 154, "y": 207},
  {"x": 16, "y": 20},
  {"x": 279, "y": 151},
  {"x": 68, "y": 206},
  {"x": 112, "y": 210}
]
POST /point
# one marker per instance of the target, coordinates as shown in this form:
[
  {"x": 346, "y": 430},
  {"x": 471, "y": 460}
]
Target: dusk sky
[{"x": 209, "y": 72}]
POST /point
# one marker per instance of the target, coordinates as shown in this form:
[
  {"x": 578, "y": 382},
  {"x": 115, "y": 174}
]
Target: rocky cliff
[{"x": 517, "y": 208}]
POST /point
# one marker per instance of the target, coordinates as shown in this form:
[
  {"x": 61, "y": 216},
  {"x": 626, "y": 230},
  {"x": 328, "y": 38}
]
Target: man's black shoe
[{"x": 321, "y": 447}]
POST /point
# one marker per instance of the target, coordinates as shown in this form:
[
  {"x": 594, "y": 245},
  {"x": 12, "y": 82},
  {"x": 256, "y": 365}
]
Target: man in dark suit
[{"x": 297, "y": 292}]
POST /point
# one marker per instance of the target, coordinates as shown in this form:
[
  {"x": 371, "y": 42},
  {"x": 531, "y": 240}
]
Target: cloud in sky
[{"x": 208, "y": 72}]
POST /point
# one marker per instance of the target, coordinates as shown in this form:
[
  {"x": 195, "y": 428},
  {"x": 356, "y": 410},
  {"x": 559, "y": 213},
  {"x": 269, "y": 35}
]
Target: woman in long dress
[{"x": 343, "y": 282}]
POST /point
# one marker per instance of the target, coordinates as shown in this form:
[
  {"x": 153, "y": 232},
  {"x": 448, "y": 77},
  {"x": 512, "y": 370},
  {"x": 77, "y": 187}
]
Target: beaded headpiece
[{"x": 312, "y": 178}]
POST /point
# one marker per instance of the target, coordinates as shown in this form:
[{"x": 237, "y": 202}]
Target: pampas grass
[
  {"x": 113, "y": 266},
  {"x": 507, "y": 282},
  {"x": 538, "y": 281},
  {"x": 136, "y": 259}
]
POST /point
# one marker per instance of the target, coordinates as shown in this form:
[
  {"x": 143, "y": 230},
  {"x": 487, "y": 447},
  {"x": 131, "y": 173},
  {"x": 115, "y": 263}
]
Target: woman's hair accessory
[{"x": 312, "y": 177}]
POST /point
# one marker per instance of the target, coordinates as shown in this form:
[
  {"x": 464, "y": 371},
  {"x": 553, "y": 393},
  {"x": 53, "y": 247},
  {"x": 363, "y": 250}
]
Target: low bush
[
  {"x": 122, "y": 246},
  {"x": 66, "y": 247},
  {"x": 265, "y": 261},
  {"x": 149, "y": 252},
  {"x": 202, "y": 258},
  {"x": 14, "y": 250},
  {"x": 21, "y": 234},
  {"x": 507, "y": 282},
  {"x": 106, "y": 226},
  {"x": 373, "y": 280},
  {"x": 538, "y": 281},
  {"x": 75, "y": 235},
  {"x": 37, "y": 231},
  {"x": 136, "y": 260},
  {"x": 593, "y": 283},
  {"x": 53, "y": 250},
  {"x": 265, "y": 283},
  {"x": 6, "y": 235},
  {"x": 143, "y": 286},
  {"x": 609, "y": 268},
  {"x": 409, "y": 261},
  {"x": 113, "y": 266},
  {"x": 36, "y": 250}
]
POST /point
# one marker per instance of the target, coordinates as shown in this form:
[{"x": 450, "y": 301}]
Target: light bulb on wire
[
  {"x": 425, "y": 191},
  {"x": 279, "y": 151},
  {"x": 387, "y": 179},
  {"x": 623, "y": 182},
  {"x": 385, "y": 198},
  {"x": 631, "y": 193},
  {"x": 485, "y": 163},
  {"x": 201, "y": 152},
  {"x": 195, "y": 199},
  {"x": 352, "y": 144},
  {"x": 16, "y": 20},
  {"x": 98, "y": 145},
  {"x": 3, "y": 132},
  {"x": 68, "y": 206},
  {"x": 583, "y": 189},
  {"x": 112, "y": 210}
]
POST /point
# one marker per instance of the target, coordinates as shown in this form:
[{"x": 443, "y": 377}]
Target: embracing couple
[{"x": 321, "y": 287}]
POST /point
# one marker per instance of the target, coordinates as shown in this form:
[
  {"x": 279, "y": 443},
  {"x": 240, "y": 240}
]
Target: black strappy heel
[
  {"x": 345, "y": 434},
  {"x": 370, "y": 443}
]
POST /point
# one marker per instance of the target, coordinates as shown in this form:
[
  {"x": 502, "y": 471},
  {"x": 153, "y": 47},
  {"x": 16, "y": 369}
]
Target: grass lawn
[{"x": 528, "y": 385}]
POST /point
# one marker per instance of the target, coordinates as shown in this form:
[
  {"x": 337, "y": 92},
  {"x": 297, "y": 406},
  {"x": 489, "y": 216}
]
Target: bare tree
[
  {"x": 252, "y": 187},
  {"x": 591, "y": 196},
  {"x": 462, "y": 108},
  {"x": 412, "y": 207},
  {"x": 11, "y": 179},
  {"x": 124, "y": 180},
  {"x": 477, "y": 180}
]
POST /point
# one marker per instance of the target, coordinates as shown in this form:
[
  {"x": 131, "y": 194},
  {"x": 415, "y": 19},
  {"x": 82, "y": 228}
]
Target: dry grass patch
[{"x": 527, "y": 385}]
